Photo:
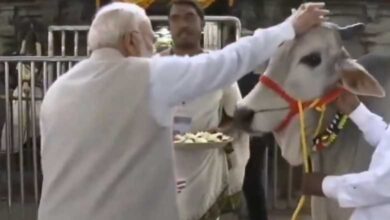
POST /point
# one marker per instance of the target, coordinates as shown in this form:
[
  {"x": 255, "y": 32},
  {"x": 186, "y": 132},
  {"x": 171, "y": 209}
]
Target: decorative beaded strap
[{"x": 326, "y": 138}]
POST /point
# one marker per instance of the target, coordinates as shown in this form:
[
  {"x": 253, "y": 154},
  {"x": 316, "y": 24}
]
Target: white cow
[{"x": 307, "y": 68}]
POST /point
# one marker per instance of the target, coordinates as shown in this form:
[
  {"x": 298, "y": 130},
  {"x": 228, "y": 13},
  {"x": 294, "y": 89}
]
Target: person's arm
[
  {"x": 231, "y": 95},
  {"x": 368, "y": 188},
  {"x": 175, "y": 79},
  {"x": 372, "y": 125}
]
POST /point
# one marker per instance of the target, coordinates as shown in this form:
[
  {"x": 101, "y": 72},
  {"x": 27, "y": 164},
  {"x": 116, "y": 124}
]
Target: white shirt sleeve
[
  {"x": 369, "y": 188},
  {"x": 175, "y": 79},
  {"x": 372, "y": 125},
  {"x": 231, "y": 95}
]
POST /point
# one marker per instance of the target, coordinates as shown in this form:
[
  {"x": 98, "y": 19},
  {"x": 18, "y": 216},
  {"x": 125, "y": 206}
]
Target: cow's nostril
[{"x": 244, "y": 116}]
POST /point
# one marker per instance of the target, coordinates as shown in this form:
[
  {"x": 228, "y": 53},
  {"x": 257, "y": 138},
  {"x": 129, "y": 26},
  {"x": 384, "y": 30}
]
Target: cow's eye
[{"x": 312, "y": 60}]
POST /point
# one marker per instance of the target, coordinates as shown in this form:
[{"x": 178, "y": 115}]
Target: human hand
[
  {"x": 308, "y": 15},
  {"x": 347, "y": 103},
  {"x": 312, "y": 184}
]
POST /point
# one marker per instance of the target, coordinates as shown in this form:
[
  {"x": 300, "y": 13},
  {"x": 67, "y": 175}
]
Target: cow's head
[{"x": 306, "y": 68}]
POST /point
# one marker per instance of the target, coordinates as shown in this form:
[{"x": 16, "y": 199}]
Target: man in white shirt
[
  {"x": 106, "y": 125},
  {"x": 213, "y": 176},
  {"x": 369, "y": 191}
]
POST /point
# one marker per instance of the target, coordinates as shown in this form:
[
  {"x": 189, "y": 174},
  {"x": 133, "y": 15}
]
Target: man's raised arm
[{"x": 177, "y": 79}]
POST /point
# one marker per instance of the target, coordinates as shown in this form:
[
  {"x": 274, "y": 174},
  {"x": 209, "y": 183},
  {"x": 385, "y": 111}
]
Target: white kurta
[
  {"x": 369, "y": 191},
  {"x": 106, "y": 128},
  {"x": 206, "y": 171}
]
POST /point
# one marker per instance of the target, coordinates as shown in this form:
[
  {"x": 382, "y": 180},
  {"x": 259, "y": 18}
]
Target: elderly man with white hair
[{"x": 106, "y": 124}]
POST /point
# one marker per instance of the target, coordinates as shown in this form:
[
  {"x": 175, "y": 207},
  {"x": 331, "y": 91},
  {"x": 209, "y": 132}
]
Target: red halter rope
[{"x": 271, "y": 84}]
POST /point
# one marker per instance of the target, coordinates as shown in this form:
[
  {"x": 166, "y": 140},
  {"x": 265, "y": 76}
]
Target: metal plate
[{"x": 199, "y": 146}]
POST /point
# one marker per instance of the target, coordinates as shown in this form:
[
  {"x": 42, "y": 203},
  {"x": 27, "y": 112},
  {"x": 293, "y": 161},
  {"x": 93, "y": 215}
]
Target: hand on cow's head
[{"x": 308, "y": 15}]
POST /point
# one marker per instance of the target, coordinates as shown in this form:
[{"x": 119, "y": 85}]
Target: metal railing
[{"x": 20, "y": 131}]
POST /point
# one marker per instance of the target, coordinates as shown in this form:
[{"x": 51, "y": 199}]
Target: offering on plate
[{"x": 201, "y": 138}]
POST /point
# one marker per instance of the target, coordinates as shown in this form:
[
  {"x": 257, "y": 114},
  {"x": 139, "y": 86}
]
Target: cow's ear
[
  {"x": 356, "y": 79},
  {"x": 351, "y": 31}
]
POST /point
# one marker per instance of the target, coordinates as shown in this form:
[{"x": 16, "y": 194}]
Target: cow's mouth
[{"x": 243, "y": 117}]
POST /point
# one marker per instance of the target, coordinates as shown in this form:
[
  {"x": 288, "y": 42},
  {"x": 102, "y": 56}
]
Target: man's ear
[
  {"x": 356, "y": 79},
  {"x": 131, "y": 42}
]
